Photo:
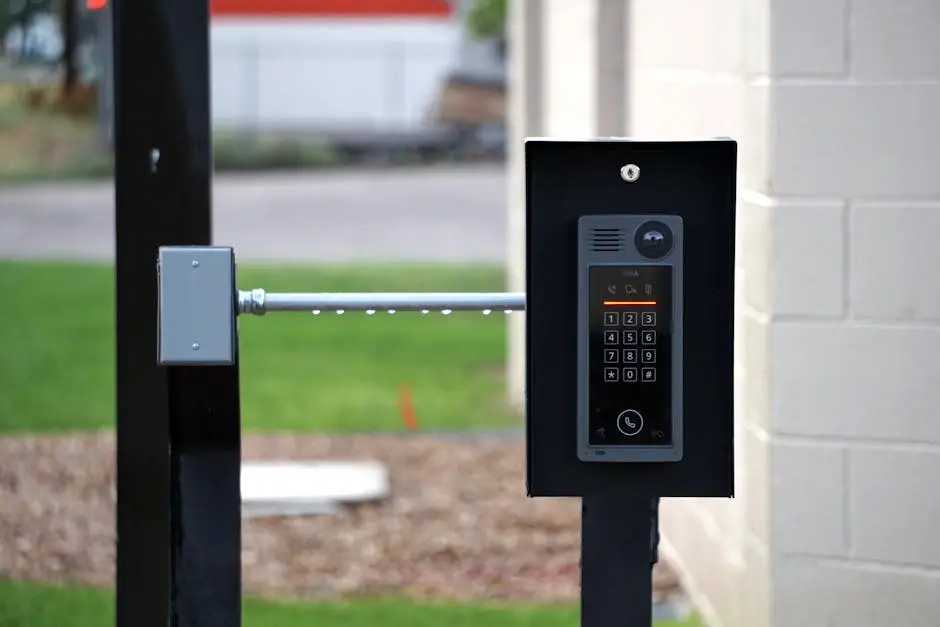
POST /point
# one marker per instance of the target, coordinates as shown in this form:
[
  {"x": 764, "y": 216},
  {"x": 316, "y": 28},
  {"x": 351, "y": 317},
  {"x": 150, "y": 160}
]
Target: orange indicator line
[{"x": 624, "y": 303}]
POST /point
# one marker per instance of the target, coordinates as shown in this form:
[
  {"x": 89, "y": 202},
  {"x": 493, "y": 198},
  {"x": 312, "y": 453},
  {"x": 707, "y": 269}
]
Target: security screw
[
  {"x": 630, "y": 172},
  {"x": 195, "y": 263},
  {"x": 195, "y": 346}
]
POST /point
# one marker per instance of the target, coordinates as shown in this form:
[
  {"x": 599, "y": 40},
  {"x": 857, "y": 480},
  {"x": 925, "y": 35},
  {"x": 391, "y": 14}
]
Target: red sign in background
[{"x": 334, "y": 8}]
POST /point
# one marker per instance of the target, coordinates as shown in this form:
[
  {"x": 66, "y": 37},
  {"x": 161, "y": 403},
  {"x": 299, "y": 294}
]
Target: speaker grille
[{"x": 607, "y": 240}]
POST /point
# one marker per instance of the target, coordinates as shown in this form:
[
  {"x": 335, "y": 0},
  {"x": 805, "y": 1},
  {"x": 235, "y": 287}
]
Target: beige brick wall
[{"x": 853, "y": 391}]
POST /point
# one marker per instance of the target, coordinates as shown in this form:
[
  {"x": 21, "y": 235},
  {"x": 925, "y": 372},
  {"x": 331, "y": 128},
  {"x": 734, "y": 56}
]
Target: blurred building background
[
  {"x": 310, "y": 67},
  {"x": 834, "y": 103},
  {"x": 328, "y": 65}
]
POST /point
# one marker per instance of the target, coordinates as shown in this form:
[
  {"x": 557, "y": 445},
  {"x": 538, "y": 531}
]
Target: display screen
[{"x": 630, "y": 355}]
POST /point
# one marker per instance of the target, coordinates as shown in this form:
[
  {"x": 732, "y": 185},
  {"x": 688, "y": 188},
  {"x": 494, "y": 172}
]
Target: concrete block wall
[{"x": 853, "y": 395}]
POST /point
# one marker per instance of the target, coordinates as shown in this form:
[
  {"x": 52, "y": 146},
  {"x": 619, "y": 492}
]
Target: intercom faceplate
[{"x": 630, "y": 338}]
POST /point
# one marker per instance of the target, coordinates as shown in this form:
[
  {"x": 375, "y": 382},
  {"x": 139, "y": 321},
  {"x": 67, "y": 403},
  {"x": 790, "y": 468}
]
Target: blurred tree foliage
[
  {"x": 21, "y": 11},
  {"x": 487, "y": 18}
]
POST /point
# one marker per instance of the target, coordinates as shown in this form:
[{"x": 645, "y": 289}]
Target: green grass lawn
[
  {"x": 298, "y": 372},
  {"x": 38, "y": 605}
]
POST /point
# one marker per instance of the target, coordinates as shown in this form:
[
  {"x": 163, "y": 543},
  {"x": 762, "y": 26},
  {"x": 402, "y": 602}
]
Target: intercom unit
[
  {"x": 630, "y": 338},
  {"x": 629, "y": 323}
]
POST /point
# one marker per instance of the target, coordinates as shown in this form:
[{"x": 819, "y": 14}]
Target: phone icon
[{"x": 630, "y": 422}]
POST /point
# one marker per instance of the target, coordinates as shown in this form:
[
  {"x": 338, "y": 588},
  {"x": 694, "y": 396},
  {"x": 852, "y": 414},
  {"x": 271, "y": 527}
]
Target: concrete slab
[{"x": 309, "y": 488}]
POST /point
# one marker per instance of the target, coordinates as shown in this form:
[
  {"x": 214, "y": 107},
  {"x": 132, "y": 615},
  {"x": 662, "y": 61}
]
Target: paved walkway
[{"x": 446, "y": 214}]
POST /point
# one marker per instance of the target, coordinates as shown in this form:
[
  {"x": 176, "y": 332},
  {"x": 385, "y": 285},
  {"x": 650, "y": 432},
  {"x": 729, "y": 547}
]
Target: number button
[
  {"x": 649, "y": 318},
  {"x": 629, "y": 318},
  {"x": 629, "y": 338},
  {"x": 629, "y": 375},
  {"x": 611, "y": 337},
  {"x": 629, "y": 356},
  {"x": 649, "y": 355},
  {"x": 611, "y": 355},
  {"x": 649, "y": 338},
  {"x": 648, "y": 375},
  {"x": 611, "y": 375},
  {"x": 611, "y": 318}
]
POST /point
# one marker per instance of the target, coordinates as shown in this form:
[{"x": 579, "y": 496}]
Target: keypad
[{"x": 635, "y": 331}]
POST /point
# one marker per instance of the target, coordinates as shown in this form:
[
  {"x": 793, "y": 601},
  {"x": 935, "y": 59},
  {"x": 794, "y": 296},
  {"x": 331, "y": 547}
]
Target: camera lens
[{"x": 654, "y": 240}]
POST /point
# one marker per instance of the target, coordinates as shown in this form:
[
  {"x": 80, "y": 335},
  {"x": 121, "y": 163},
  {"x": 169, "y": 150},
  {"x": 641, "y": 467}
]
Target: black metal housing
[{"x": 567, "y": 179}]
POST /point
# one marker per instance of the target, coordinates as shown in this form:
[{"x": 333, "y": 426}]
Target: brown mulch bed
[{"x": 458, "y": 524}]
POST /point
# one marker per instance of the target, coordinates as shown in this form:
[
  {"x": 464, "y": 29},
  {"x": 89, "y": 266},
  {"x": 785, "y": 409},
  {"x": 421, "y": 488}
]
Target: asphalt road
[{"x": 445, "y": 214}]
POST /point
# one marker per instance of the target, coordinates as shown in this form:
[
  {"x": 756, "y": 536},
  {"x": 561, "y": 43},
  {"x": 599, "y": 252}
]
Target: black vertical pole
[
  {"x": 618, "y": 549},
  {"x": 178, "y": 429}
]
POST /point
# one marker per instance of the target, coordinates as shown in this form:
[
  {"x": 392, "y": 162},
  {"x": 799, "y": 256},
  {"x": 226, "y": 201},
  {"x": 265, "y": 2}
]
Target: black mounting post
[
  {"x": 618, "y": 550},
  {"x": 178, "y": 428}
]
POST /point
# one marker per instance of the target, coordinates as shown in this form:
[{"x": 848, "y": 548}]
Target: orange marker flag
[{"x": 408, "y": 416}]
